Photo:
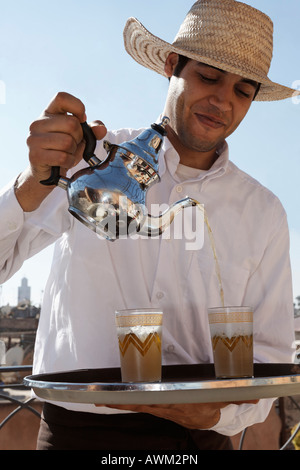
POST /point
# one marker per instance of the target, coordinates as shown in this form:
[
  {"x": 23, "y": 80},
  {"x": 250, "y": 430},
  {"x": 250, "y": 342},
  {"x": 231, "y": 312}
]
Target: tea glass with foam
[
  {"x": 139, "y": 336},
  {"x": 231, "y": 331}
]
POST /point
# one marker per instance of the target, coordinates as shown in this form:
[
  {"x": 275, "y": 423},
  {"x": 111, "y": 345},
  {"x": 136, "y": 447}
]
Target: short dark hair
[{"x": 183, "y": 60}]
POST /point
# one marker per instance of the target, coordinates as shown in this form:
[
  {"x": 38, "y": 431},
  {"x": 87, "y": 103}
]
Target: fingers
[
  {"x": 64, "y": 103},
  {"x": 56, "y": 138},
  {"x": 99, "y": 129},
  {"x": 64, "y": 124},
  {"x": 193, "y": 416},
  {"x": 218, "y": 405},
  {"x": 48, "y": 149},
  {"x": 54, "y": 141}
]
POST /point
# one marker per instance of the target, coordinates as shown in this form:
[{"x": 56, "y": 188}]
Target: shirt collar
[{"x": 169, "y": 158}]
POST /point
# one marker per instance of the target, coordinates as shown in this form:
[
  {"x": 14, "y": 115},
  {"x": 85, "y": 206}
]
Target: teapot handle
[{"x": 88, "y": 155}]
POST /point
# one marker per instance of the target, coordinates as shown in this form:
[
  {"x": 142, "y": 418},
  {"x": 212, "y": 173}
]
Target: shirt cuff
[
  {"x": 226, "y": 417},
  {"x": 12, "y": 215},
  {"x": 235, "y": 418}
]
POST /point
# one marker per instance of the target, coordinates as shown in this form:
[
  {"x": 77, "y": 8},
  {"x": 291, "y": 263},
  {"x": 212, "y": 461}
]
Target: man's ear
[{"x": 171, "y": 62}]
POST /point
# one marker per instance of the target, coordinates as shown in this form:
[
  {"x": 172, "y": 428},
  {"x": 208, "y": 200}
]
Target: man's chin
[{"x": 201, "y": 145}]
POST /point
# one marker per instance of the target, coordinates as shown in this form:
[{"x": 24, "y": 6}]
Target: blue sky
[{"x": 76, "y": 46}]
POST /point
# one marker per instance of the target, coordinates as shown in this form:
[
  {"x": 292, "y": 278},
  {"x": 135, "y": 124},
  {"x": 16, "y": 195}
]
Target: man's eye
[
  {"x": 206, "y": 79},
  {"x": 244, "y": 93}
]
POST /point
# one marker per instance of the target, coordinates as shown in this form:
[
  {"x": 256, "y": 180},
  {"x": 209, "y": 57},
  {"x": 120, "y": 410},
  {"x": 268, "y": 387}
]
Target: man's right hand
[{"x": 55, "y": 139}]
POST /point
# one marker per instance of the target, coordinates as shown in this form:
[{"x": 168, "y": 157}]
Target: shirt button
[
  {"x": 12, "y": 226},
  {"x": 160, "y": 295},
  {"x": 179, "y": 189},
  {"x": 171, "y": 348}
]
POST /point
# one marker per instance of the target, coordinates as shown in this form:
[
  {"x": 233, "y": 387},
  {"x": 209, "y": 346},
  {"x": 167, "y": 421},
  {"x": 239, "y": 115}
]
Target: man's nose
[{"x": 222, "y": 98}]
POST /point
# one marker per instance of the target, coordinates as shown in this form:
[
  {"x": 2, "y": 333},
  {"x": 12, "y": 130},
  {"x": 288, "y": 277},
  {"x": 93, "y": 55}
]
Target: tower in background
[{"x": 24, "y": 291}]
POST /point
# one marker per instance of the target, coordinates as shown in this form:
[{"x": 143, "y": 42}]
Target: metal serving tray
[{"x": 180, "y": 384}]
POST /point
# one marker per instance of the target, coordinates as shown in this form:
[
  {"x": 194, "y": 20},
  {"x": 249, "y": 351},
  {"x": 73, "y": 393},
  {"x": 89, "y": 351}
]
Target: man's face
[{"x": 205, "y": 104}]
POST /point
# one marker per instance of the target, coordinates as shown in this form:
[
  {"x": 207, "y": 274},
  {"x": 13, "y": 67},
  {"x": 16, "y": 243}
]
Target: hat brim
[{"x": 151, "y": 52}]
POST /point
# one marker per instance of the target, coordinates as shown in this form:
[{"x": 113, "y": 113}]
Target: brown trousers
[{"x": 62, "y": 429}]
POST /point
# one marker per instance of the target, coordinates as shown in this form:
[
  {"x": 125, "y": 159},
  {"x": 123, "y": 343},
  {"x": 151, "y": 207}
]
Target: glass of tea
[
  {"x": 231, "y": 331},
  {"x": 140, "y": 335}
]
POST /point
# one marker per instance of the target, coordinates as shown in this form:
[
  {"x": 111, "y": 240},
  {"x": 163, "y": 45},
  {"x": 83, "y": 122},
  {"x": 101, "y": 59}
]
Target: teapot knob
[{"x": 161, "y": 127}]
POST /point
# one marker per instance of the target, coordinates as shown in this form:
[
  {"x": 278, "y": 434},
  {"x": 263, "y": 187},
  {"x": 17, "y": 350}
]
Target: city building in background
[{"x": 24, "y": 291}]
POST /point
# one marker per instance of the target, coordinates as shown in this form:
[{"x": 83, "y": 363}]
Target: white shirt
[{"x": 90, "y": 277}]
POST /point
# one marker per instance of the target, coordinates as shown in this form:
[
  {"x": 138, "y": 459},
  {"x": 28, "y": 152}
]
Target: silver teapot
[{"x": 109, "y": 196}]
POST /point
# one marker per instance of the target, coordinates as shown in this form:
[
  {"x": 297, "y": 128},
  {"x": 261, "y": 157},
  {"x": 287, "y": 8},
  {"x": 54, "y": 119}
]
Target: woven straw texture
[{"x": 226, "y": 34}]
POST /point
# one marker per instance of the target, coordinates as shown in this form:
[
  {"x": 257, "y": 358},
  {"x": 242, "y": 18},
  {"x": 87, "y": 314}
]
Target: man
[{"x": 213, "y": 80}]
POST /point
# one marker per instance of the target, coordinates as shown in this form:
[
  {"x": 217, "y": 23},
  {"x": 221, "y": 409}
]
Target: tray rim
[
  {"x": 163, "y": 392},
  {"x": 33, "y": 382}
]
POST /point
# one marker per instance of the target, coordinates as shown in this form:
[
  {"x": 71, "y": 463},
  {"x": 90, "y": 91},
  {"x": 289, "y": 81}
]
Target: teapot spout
[{"x": 155, "y": 226}]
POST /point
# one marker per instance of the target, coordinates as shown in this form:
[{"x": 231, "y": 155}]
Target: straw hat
[{"x": 226, "y": 34}]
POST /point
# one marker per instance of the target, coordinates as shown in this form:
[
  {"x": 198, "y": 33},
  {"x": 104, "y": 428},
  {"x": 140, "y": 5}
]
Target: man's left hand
[{"x": 191, "y": 416}]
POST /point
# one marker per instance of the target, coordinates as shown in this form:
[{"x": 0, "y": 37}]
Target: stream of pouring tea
[{"x": 213, "y": 247}]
